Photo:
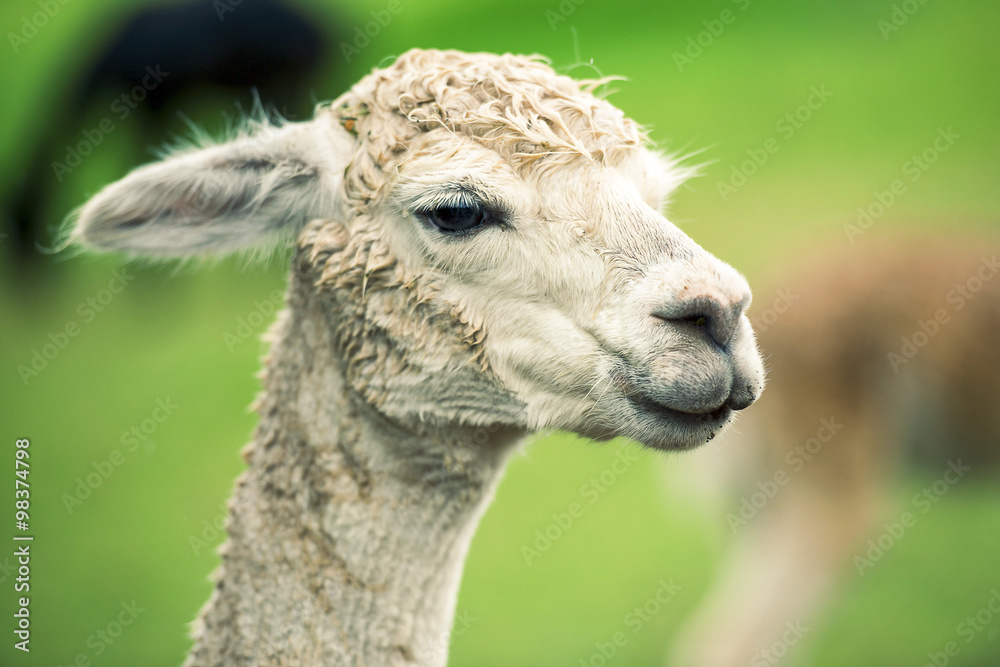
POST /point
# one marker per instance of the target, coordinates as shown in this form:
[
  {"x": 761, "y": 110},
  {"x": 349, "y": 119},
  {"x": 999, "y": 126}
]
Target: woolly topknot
[{"x": 518, "y": 105}]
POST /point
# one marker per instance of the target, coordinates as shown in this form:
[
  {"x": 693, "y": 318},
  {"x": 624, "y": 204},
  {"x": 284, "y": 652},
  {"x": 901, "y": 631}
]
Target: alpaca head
[{"x": 483, "y": 239}]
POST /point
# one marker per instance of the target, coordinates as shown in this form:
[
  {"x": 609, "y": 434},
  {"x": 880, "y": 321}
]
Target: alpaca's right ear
[{"x": 240, "y": 194}]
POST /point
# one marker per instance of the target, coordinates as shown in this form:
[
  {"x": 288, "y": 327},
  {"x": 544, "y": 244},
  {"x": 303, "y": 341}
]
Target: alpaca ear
[{"x": 250, "y": 191}]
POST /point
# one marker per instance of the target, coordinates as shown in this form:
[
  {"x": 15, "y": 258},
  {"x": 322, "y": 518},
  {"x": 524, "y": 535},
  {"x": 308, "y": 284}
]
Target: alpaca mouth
[
  {"x": 655, "y": 424},
  {"x": 661, "y": 426},
  {"x": 718, "y": 416},
  {"x": 707, "y": 421}
]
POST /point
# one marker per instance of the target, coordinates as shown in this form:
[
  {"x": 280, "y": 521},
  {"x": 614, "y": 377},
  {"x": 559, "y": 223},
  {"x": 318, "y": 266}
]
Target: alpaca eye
[{"x": 457, "y": 218}]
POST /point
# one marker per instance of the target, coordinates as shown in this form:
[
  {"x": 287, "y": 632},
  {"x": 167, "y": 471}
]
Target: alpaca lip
[
  {"x": 674, "y": 430},
  {"x": 644, "y": 403},
  {"x": 694, "y": 419}
]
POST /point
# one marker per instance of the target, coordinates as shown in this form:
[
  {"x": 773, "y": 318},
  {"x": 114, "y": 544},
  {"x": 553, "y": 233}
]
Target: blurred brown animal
[{"x": 886, "y": 353}]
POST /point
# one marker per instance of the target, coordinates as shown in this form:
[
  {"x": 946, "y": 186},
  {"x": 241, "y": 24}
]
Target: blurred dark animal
[{"x": 158, "y": 59}]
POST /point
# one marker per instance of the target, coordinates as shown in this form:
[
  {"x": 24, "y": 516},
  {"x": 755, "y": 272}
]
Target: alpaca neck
[{"x": 347, "y": 535}]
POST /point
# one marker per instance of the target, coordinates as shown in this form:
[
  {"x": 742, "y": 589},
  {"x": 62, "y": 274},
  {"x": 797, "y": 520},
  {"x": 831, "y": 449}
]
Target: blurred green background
[{"x": 164, "y": 337}]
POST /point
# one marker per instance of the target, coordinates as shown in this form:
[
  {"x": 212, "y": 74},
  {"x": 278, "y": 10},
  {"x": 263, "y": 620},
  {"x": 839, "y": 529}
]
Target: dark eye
[{"x": 457, "y": 218}]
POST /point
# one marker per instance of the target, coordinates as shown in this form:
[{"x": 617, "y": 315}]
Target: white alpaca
[{"x": 478, "y": 253}]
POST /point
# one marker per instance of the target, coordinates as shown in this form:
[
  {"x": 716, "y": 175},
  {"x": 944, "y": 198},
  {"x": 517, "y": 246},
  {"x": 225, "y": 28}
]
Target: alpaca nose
[{"x": 711, "y": 313}]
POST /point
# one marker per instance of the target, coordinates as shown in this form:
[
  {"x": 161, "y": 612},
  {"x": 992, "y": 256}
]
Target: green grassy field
[{"x": 139, "y": 536}]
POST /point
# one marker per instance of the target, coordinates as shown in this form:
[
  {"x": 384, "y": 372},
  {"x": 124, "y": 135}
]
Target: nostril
[{"x": 718, "y": 320}]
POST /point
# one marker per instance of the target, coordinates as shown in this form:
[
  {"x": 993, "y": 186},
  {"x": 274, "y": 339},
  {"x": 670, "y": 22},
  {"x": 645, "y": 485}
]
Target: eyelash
[
  {"x": 458, "y": 216},
  {"x": 462, "y": 219}
]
